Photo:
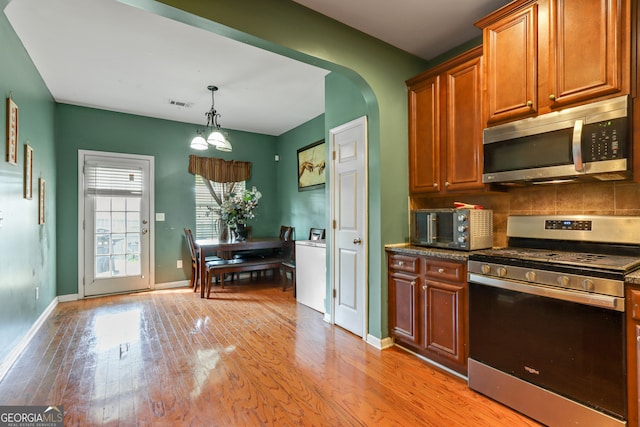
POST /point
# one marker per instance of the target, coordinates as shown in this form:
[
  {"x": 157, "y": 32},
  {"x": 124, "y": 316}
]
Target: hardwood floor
[{"x": 249, "y": 356}]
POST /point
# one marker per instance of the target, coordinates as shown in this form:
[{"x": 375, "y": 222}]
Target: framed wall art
[
  {"x": 41, "y": 200},
  {"x": 28, "y": 171},
  {"x": 12, "y": 132},
  {"x": 311, "y": 166}
]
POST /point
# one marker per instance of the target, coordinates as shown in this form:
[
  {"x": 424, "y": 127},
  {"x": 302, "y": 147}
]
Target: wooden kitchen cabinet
[
  {"x": 545, "y": 55},
  {"x": 444, "y": 310},
  {"x": 445, "y": 126},
  {"x": 428, "y": 307},
  {"x": 632, "y": 301},
  {"x": 404, "y": 284}
]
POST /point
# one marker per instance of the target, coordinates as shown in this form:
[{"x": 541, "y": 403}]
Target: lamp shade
[
  {"x": 225, "y": 146},
  {"x": 199, "y": 143},
  {"x": 216, "y": 138}
]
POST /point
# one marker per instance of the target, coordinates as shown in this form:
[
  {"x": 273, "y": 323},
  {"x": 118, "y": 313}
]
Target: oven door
[{"x": 572, "y": 349}]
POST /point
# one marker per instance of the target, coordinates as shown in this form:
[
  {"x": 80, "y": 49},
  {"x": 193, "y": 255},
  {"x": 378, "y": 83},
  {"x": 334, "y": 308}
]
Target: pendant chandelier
[{"x": 216, "y": 137}]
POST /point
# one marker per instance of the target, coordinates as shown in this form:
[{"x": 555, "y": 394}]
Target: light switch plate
[{"x": 159, "y": 216}]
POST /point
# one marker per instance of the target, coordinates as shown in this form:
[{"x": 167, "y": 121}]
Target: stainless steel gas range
[{"x": 546, "y": 318}]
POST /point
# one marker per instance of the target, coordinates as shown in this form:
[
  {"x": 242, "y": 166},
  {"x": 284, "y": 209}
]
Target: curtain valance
[{"x": 219, "y": 170}]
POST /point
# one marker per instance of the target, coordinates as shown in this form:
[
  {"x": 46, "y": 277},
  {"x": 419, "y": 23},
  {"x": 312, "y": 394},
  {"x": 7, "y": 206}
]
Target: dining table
[{"x": 225, "y": 248}]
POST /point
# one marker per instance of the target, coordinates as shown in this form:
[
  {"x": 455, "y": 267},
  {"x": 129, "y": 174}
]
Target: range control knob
[
  {"x": 462, "y": 218},
  {"x": 462, "y": 239},
  {"x": 502, "y": 271},
  {"x": 530, "y": 276},
  {"x": 588, "y": 285},
  {"x": 563, "y": 281},
  {"x": 462, "y": 228},
  {"x": 486, "y": 269}
]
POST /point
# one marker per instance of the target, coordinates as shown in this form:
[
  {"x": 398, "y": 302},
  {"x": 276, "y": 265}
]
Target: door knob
[{"x": 357, "y": 241}]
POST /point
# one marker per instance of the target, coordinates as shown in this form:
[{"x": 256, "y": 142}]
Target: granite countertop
[{"x": 407, "y": 248}]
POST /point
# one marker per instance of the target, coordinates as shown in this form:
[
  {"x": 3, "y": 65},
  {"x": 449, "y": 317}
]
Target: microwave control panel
[{"x": 604, "y": 140}]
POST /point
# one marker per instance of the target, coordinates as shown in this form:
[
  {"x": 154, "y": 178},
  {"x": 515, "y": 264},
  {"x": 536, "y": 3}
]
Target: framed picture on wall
[
  {"x": 311, "y": 166},
  {"x": 41, "y": 200},
  {"x": 28, "y": 171},
  {"x": 12, "y": 132}
]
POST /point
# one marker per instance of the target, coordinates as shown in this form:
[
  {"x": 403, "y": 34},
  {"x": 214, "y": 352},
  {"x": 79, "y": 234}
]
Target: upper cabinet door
[
  {"x": 424, "y": 136},
  {"x": 462, "y": 131},
  {"x": 585, "y": 50},
  {"x": 511, "y": 65}
]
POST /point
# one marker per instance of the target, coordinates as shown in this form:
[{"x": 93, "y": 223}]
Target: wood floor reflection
[{"x": 249, "y": 356}]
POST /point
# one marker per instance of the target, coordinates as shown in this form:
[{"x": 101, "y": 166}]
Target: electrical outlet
[
  {"x": 37, "y": 293},
  {"x": 179, "y": 264}
]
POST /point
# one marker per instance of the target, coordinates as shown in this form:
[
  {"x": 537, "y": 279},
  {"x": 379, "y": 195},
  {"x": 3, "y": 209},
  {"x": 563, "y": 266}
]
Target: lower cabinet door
[
  {"x": 444, "y": 319},
  {"x": 403, "y": 307}
]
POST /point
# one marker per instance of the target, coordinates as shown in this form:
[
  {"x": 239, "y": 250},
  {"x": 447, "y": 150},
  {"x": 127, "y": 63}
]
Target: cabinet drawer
[
  {"x": 406, "y": 263},
  {"x": 446, "y": 270}
]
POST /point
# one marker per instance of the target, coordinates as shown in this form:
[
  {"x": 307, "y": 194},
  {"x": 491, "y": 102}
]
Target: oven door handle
[{"x": 596, "y": 300}]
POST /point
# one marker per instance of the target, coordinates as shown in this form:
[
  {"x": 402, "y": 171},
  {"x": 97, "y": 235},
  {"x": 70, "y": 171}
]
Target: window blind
[
  {"x": 208, "y": 224},
  {"x": 104, "y": 180}
]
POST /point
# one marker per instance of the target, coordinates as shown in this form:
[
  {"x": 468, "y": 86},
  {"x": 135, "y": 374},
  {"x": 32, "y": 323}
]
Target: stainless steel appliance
[
  {"x": 462, "y": 229},
  {"x": 546, "y": 318},
  {"x": 587, "y": 143}
]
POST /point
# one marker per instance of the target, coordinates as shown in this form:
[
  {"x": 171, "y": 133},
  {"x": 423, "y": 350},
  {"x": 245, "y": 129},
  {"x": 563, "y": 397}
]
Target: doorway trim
[{"x": 82, "y": 155}]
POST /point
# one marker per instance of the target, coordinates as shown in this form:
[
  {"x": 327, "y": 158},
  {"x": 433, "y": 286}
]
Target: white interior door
[
  {"x": 349, "y": 211},
  {"x": 116, "y": 223}
]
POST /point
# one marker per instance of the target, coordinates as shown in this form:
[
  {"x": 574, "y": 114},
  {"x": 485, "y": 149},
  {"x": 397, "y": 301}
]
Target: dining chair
[
  {"x": 286, "y": 232},
  {"x": 289, "y": 266},
  {"x": 195, "y": 259},
  {"x": 317, "y": 234}
]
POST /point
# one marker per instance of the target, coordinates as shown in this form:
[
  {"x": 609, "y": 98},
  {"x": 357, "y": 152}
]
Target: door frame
[
  {"x": 82, "y": 154},
  {"x": 332, "y": 206}
]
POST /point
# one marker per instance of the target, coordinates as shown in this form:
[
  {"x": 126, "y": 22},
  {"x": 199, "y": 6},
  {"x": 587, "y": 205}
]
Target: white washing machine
[{"x": 311, "y": 273}]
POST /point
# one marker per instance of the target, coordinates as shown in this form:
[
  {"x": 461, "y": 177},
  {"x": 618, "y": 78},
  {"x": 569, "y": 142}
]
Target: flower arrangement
[{"x": 238, "y": 207}]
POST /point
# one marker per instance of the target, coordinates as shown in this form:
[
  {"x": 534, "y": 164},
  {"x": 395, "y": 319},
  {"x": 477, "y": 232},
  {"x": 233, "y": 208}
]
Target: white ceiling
[{"x": 109, "y": 55}]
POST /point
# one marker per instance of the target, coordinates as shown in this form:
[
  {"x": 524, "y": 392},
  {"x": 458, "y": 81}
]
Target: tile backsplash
[{"x": 598, "y": 198}]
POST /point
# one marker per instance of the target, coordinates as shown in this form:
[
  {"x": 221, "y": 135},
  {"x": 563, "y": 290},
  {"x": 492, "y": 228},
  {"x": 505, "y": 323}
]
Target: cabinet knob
[
  {"x": 424, "y": 288},
  {"x": 435, "y": 184},
  {"x": 552, "y": 97},
  {"x": 400, "y": 263},
  {"x": 413, "y": 283},
  {"x": 529, "y": 103},
  {"x": 446, "y": 184},
  {"x": 441, "y": 270}
]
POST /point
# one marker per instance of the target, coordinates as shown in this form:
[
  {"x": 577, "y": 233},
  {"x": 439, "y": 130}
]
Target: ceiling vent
[{"x": 180, "y": 103}]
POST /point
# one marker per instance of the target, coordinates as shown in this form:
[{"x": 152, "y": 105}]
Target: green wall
[
  {"x": 301, "y": 209},
  {"x": 27, "y": 249},
  {"x": 377, "y": 69},
  {"x": 168, "y": 142}
]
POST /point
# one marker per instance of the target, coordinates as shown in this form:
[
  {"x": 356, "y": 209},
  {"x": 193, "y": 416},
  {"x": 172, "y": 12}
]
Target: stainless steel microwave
[
  {"x": 585, "y": 143},
  {"x": 461, "y": 229}
]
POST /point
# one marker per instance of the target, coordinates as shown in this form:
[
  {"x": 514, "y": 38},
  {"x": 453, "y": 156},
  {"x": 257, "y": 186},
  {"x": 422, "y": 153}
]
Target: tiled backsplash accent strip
[{"x": 598, "y": 198}]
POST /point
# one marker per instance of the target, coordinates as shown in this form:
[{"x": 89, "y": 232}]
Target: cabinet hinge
[
  {"x": 333, "y": 154},
  {"x": 334, "y": 224},
  {"x": 334, "y": 293}
]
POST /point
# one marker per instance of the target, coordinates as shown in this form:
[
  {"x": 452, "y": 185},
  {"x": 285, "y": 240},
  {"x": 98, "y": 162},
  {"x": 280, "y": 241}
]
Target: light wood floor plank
[{"x": 248, "y": 356}]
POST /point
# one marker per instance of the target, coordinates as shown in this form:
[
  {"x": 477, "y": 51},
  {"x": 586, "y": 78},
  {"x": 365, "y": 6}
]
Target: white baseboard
[
  {"x": 13, "y": 355},
  {"x": 378, "y": 343},
  {"x": 170, "y": 285},
  {"x": 68, "y": 298}
]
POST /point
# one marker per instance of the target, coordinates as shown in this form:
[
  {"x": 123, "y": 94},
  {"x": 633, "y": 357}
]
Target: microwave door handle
[
  {"x": 576, "y": 145},
  {"x": 432, "y": 228}
]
